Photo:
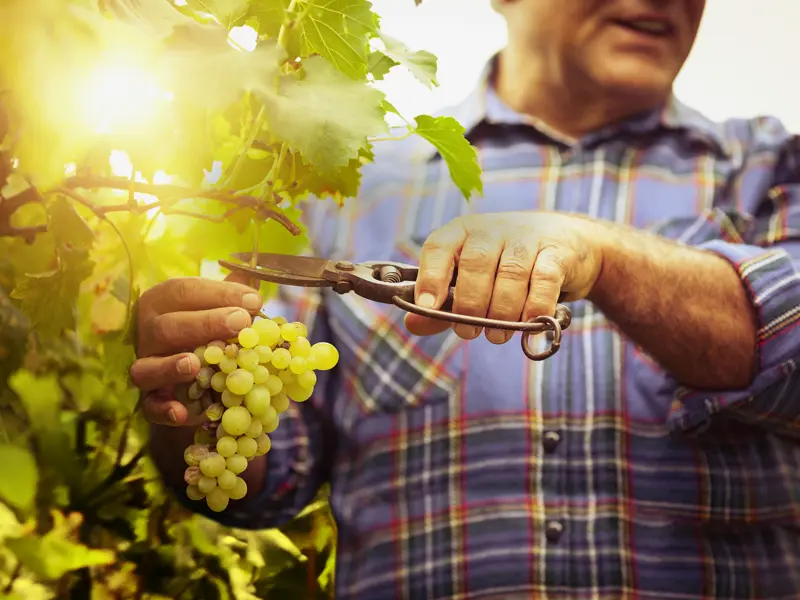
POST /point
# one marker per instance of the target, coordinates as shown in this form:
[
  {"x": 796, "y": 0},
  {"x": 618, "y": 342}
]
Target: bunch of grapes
[{"x": 243, "y": 387}]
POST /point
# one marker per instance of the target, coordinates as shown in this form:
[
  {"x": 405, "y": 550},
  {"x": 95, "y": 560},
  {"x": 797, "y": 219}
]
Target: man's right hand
[{"x": 174, "y": 318}]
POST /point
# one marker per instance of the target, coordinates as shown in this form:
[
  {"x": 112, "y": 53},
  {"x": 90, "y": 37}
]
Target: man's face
[{"x": 628, "y": 46}]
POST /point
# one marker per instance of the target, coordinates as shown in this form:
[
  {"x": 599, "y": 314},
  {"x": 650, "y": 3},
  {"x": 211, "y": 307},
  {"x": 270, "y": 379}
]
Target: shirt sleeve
[{"x": 767, "y": 259}]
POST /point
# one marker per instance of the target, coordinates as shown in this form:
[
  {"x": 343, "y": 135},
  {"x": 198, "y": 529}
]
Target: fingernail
[
  {"x": 252, "y": 302},
  {"x": 237, "y": 320},
  {"x": 172, "y": 415},
  {"x": 467, "y": 332},
  {"x": 496, "y": 336},
  {"x": 185, "y": 365},
  {"x": 426, "y": 300}
]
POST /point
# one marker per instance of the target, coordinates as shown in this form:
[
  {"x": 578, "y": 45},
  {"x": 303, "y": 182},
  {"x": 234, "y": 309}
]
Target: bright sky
[{"x": 745, "y": 61}]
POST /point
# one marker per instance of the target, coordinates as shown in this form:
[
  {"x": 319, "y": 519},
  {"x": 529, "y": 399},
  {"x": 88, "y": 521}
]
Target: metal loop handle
[{"x": 541, "y": 324}]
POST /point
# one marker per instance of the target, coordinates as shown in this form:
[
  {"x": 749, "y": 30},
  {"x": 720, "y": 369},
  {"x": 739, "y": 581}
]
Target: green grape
[
  {"x": 264, "y": 353},
  {"x": 274, "y": 384},
  {"x": 204, "y": 436},
  {"x": 280, "y": 321},
  {"x": 213, "y": 355},
  {"x": 194, "y": 454},
  {"x": 227, "y": 480},
  {"x": 247, "y": 446},
  {"x": 298, "y": 365},
  {"x": 218, "y": 382},
  {"x": 286, "y": 377},
  {"x": 217, "y": 500},
  {"x": 263, "y": 444},
  {"x": 232, "y": 350},
  {"x": 302, "y": 330},
  {"x": 248, "y": 337},
  {"x": 248, "y": 359},
  {"x": 307, "y": 379},
  {"x": 194, "y": 493},
  {"x": 289, "y": 332},
  {"x": 281, "y": 358},
  {"x": 239, "y": 490},
  {"x": 215, "y": 411},
  {"x": 255, "y": 429},
  {"x": 194, "y": 408},
  {"x": 236, "y": 420},
  {"x": 271, "y": 424},
  {"x": 212, "y": 465},
  {"x": 192, "y": 475},
  {"x": 226, "y": 446},
  {"x": 268, "y": 419},
  {"x": 228, "y": 365},
  {"x": 300, "y": 347},
  {"x": 204, "y": 376},
  {"x": 257, "y": 400},
  {"x": 205, "y": 484},
  {"x": 269, "y": 332},
  {"x": 221, "y": 433},
  {"x": 297, "y": 392},
  {"x": 240, "y": 382},
  {"x": 195, "y": 391},
  {"x": 236, "y": 463},
  {"x": 217, "y": 344},
  {"x": 229, "y": 399},
  {"x": 199, "y": 353},
  {"x": 324, "y": 355},
  {"x": 260, "y": 375},
  {"x": 280, "y": 402}
]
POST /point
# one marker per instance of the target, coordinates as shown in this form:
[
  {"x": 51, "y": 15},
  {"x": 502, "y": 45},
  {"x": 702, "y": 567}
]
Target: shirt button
[
  {"x": 550, "y": 440},
  {"x": 553, "y": 531}
]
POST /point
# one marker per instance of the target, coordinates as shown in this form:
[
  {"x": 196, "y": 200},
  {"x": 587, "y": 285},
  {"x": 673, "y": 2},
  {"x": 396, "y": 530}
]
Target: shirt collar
[{"x": 484, "y": 107}]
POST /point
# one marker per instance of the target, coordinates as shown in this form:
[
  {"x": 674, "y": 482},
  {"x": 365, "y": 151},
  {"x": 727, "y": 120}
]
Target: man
[{"x": 656, "y": 455}]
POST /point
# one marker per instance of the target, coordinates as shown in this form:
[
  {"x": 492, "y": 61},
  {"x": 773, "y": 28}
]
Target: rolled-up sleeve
[{"x": 768, "y": 262}]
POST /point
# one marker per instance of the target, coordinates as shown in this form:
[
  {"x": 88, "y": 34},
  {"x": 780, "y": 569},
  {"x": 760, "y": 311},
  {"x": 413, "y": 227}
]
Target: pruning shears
[{"x": 388, "y": 282}]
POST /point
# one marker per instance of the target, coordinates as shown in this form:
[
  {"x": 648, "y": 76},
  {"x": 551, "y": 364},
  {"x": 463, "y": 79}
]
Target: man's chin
[{"x": 643, "y": 84}]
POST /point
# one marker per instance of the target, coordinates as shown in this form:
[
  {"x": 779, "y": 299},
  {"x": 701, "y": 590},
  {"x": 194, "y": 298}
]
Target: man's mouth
[{"x": 651, "y": 27}]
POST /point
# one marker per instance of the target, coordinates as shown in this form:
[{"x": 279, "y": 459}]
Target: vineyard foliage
[{"x": 142, "y": 140}]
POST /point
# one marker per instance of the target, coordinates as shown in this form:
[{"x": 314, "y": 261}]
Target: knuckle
[
  {"x": 549, "y": 272},
  {"x": 513, "y": 268},
  {"x": 162, "y": 329},
  {"x": 475, "y": 257},
  {"x": 182, "y": 289}
]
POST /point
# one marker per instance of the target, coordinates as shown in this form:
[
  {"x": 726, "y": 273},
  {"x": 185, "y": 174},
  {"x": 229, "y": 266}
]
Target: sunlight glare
[
  {"x": 121, "y": 97},
  {"x": 243, "y": 38}
]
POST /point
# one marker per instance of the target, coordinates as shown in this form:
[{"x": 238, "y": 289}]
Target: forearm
[
  {"x": 166, "y": 448},
  {"x": 686, "y": 308}
]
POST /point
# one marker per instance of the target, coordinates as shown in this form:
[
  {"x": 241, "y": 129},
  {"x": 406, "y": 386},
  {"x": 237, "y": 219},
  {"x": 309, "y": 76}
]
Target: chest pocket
[{"x": 384, "y": 368}]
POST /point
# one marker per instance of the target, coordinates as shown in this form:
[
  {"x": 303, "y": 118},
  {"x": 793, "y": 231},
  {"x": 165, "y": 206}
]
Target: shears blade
[{"x": 307, "y": 271}]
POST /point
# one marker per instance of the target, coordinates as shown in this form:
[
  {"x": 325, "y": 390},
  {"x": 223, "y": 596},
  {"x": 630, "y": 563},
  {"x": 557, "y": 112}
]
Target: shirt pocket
[{"x": 385, "y": 369}]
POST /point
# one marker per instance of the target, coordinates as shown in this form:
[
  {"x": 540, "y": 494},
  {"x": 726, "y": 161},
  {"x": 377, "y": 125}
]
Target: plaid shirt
[{"x": 462, "y": 470}]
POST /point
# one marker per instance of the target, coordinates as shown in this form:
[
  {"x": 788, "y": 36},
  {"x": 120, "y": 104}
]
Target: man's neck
[{"x": 527, "y": 87}]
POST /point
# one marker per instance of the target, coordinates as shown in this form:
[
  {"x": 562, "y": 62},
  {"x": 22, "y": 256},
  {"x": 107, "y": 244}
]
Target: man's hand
[
  {"x": 511, "y": 266},
  {"x": 174, "y": 318}
]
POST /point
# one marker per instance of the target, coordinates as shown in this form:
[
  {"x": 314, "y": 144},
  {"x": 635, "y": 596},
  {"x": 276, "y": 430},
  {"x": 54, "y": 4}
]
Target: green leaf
[
  {"x": 340, "y": 31},
  {"x": 447, "y": 136},
  {"x": 378, "y": 64},
  {"x": 41, "y": 397},
  {"x": 326, "y": 116},
  {"x": 421, "y": 63},
  {"x": 68, "y": 227},
  {"x": 53, "y": 555},
  {"x": 20, "y": 476},
  {"x": 228, "y": 12},
  {"x": 48, "y": 298}
]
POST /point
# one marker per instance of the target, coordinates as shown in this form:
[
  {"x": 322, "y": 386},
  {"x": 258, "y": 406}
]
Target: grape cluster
[{"x": 243, "y": 386}]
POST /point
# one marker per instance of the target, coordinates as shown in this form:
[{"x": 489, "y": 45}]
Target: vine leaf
[
  {"x": 421, "y": 64},
  {"x": 326, "y": 116},
  {"x": 69, "y": 228},
  {"x": 379, "y": 65},
  {"x": 52, "y": 555},
  {"x": 340, "y": 31},
  {"x": 227, "y": 12},
  {"x": 20, "y": 477},
  {"x": 447, "y": 136}
]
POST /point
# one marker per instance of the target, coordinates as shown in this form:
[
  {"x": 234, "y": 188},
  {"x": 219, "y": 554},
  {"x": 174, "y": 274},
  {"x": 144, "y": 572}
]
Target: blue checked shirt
[{"x": 462, "y": 470}]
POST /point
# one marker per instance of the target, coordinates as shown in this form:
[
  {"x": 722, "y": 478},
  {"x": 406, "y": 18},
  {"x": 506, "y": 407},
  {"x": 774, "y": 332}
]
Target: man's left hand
[{"x": 511, "y": 266}]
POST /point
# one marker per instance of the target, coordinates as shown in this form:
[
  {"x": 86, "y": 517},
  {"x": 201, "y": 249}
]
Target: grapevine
[{"x": 142, "y": 140}]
